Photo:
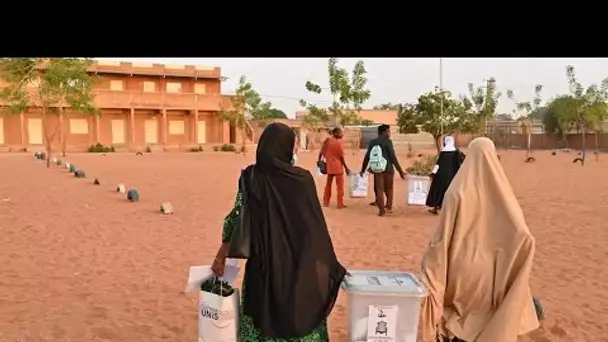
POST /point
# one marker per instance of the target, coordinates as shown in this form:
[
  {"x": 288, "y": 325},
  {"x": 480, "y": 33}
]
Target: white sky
[{"x": 281, "y": 80}]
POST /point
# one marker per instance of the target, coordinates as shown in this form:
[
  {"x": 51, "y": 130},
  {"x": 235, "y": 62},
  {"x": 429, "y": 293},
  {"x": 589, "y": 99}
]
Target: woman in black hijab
[{"x": 292, "y": 276}]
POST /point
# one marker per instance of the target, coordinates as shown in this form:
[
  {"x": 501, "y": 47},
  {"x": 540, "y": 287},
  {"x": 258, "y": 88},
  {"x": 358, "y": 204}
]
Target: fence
[{"x": 539, "y": 141}]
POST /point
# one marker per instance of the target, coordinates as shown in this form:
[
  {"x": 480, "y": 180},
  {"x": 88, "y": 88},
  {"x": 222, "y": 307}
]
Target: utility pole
[{"x": 441, "y": 90}]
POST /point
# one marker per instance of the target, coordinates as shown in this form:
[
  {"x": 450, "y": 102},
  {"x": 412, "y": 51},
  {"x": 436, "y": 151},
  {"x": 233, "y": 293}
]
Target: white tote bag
[
  {"x": 358, "y": 185},
  {"x": 218, "y": 317}
]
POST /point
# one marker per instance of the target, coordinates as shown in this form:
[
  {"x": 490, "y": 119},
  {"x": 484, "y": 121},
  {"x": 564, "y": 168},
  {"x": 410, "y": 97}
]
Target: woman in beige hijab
[{"x": 478, "y": 263}]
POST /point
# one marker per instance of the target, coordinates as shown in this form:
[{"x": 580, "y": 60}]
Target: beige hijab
[{"x": 478, "y": 263}]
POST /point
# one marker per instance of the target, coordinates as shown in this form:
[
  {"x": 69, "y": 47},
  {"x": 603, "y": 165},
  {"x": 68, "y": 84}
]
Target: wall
[{"x": 540, "y": 141}]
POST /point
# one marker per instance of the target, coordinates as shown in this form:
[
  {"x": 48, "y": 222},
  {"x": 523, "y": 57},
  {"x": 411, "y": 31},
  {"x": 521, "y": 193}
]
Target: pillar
[
  {"x": 163, "y": 136},
  {"x": 97, "y": 130},
  {"x": 22, "y": 129},
  {"x": 195, "y": 125},
  {"x": 132, "y": 127}
]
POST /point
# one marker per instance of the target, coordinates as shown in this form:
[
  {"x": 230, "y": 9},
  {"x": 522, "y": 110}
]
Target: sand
[{"x": 78, "y": 262}]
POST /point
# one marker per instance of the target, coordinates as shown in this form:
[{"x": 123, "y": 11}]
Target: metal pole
[{"x": 441, "y": 89}]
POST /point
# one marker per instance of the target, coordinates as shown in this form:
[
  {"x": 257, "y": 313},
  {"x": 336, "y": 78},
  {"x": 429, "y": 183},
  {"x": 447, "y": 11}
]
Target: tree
[
  {"x": 247, "y": 105},
  {"x": 270, "y": 113},
  {"x": 348, "y": 96},
  {"x": 524, "y": 111},
  {"x": 503, "y": 117},
  {"x": 583, "y": 109},
  {"x": 555, "y": 119},
  {"x": 484, "y": 101},
  {"x": 49, "y": 84},
  {"x": 387, "y": 106},
  {"x": 426, "y": 115}
]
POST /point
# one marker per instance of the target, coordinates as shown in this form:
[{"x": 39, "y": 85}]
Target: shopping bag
[
  {"x": 358, "y": 185},
  {"x": 218, "y": 316},
  {"x": 318, "y": 172}
]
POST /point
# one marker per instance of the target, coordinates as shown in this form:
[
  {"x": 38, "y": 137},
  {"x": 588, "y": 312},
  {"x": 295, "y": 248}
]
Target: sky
[{"x": 399, "y": 80}]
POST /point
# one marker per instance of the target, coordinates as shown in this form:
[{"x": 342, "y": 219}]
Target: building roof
[{"x": 152, "y": 69}]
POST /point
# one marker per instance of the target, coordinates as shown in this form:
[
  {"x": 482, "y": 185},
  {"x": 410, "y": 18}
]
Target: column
[
  {"x": 132, "y": 127},
  {"x": 97, "y": 130},
  {"x": 195, "y": 125},
  {"x": 163, "y": 135},
  {"x": 22, "y": 129}
]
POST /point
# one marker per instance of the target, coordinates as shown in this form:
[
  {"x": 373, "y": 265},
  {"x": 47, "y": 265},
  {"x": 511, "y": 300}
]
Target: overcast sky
[{"x": 281, "y": 80}]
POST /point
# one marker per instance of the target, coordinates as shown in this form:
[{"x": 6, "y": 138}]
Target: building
[{"x": 163, "y": 107}]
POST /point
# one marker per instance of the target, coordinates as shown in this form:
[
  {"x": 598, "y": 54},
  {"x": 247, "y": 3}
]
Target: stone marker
[
  {"x": 133, "y": 195},
  {"x": 67, "y": 165},
  {"x": 72, "y": 168},
  {"x": 121, "y": 188},
  {"x": 42, "y": 156},
  {"x": 166, "y": 208},
  {"x": 54, "y": 160},
  {"x": 96, "y": 181},
  {"x": 58, "y": 162},
  {"x": 37, "y": 155},
  {"x": 79, "y": 174}
]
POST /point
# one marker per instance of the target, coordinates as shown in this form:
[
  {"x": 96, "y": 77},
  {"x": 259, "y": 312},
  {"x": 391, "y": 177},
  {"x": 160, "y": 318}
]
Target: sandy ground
[{"x": 80, "y": 263}]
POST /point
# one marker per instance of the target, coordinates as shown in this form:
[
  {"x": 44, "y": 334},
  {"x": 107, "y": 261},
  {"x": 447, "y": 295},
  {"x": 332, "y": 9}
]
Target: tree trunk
[
  {"x": 528, "y": 143},
  {"x": 243, "y": 140},
  {"x": 62, "y": 132},
  {"x": 597, "y": 146},
  {"x": 584, "y": 152},
  {"x": 437, "y": 143},
  {"x": 47, "y": 138}
]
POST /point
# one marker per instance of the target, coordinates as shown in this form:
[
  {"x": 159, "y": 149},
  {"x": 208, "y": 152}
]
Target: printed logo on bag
[{"x": 220, "y": 318}]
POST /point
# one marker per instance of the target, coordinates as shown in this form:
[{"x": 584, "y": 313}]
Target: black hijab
[{"x": 293, "y": 276}]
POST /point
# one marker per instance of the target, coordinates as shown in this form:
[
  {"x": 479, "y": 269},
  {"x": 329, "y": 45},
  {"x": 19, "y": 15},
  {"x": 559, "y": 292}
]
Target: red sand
[{"x": 78, "y": 262}]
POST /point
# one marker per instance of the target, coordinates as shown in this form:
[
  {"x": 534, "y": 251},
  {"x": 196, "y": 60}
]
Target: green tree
[
  {"x": 246, "y": 105},
  {"x": 50, "y": 84},
  {"x": 426, "y": 115},
  {"x": 387, "y": 106},
  {"x": 484, "y": 101},
  {"x": 524, "y": 112},
  {"x": 348, "y": 95},
  {"x": 582, "y": 109}
]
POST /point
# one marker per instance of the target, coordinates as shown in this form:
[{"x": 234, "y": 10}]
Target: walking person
[
  {"x": 448, "y": 163},
  {"x": 380, "y": 158},
  {"x": 333, "y": 151},
  {"x": 292, "y": 276},
  {"x": 478, "y": 263}
]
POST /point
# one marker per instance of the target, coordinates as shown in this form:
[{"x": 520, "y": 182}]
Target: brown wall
[{"x": 541, "y": 141}]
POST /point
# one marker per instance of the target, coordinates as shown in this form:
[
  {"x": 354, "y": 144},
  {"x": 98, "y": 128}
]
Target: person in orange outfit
[{"x": 333, "y": 151}]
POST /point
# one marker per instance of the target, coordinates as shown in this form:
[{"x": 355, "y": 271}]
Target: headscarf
[
  {"x": 478, "y": 263},
  {"x": 448, "y": 144},
  {"x": 293, "y": 276}
]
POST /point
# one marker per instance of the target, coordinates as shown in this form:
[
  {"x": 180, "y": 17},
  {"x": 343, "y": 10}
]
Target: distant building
[{"x": 142, "y": 104}]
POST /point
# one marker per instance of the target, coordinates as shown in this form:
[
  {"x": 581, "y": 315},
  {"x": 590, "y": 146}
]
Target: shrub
[
  {"x": 216, "y": 148},
  {"x": 422, "y": 167},
  {"x": 199, "y": 148},
  {"x": 228, "y": 148},
  {"x": 148, "y": 149},
  {"x": 99, "y": 148}
]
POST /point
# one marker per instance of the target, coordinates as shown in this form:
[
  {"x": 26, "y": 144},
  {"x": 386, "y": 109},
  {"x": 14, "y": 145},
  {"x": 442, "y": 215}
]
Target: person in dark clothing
[
  {"x": 448, "y": 163},
  {"x": 383, "y": 180},
  {"x": 292, "y": 263}
]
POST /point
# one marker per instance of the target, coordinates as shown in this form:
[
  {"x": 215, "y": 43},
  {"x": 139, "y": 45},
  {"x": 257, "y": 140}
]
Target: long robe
[
  {"x": 448, "y": 164},
  {"x": 292, "y": 277},
  {"x": 478, "y": 263}
]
